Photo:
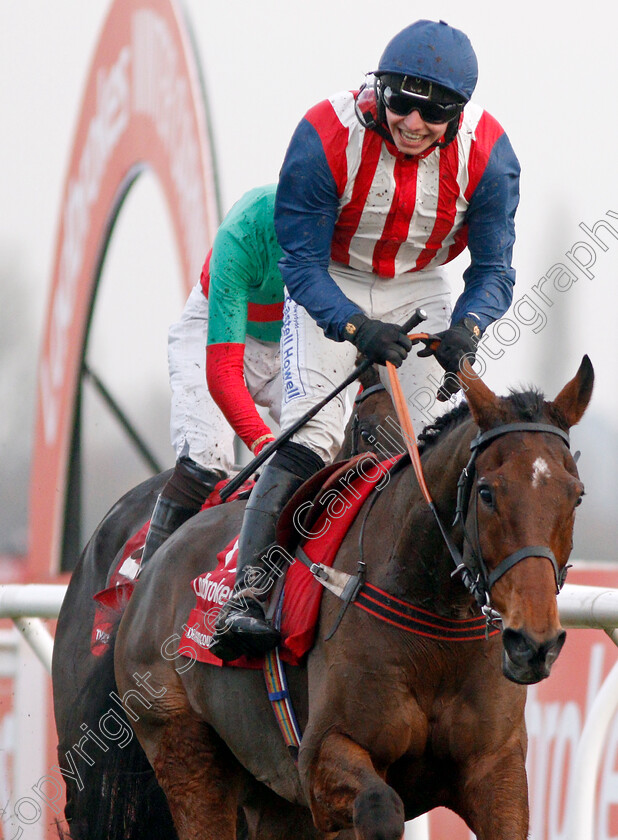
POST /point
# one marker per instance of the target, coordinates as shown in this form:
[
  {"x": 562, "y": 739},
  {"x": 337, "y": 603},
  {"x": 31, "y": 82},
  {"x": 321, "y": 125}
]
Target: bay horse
[
  {"x": 81, "y": 680},
  {"x": 394, "y": 722}
]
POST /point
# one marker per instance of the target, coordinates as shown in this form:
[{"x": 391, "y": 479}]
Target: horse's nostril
[
  {"x": 518, "y": 645},
  {"x": 526, "y": 654},
  {"x": 553, "y": 648}
]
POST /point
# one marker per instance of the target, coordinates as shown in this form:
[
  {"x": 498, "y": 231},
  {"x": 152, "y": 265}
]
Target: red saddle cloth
[
  {"x": 340, "y": 504},
  {"x": 111, "y": 601},
  {"x": 340, "y": 499}
]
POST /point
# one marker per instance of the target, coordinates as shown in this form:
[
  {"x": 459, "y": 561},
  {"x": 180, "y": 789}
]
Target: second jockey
[{"x": 223, "y": 359}]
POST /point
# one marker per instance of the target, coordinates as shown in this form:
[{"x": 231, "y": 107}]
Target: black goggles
[{"x": 402, "y": 104}]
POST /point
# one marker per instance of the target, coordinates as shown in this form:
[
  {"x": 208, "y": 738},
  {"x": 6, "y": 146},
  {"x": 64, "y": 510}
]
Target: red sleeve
[
  {"x": 226, "y": 383},
  {"x": 205, "y": 276}
]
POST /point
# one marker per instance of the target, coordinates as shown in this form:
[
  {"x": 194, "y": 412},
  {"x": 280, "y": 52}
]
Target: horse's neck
[{"x": 421, "y": 565}]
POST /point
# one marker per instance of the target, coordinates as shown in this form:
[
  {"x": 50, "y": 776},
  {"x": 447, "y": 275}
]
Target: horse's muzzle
[{"x": 525, "y": 661}]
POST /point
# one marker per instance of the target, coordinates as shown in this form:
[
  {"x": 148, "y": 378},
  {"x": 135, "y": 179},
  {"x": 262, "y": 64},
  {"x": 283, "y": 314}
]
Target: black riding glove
[
  {"x": 461, "y": 339},
  {"x": 377, "y": 341}
]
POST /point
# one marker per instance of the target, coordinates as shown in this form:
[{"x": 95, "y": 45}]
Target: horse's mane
[
  {"x": 528, "y": 405},
  {"x": 435, "y": 431}
]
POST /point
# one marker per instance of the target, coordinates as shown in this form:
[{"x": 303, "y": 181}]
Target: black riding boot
[
  {"x": 182, "y": 497},
  {"x": 241, "y": 627}
]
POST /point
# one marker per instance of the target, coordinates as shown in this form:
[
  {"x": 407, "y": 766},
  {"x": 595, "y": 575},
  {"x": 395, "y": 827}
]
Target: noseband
[{"x": 474, "y": 572}]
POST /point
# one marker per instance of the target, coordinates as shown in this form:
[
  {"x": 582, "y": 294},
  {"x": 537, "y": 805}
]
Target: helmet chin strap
[{"x": 450, "y": 134}]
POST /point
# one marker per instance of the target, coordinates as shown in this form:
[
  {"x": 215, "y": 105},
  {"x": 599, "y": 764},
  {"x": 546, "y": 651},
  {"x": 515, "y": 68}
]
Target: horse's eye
[
  {"x": 486, "y": 495},
  {"x": 580, "y": 500},
  {"x": 366, "y": 435}
]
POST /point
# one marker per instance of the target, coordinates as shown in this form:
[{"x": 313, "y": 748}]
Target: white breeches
[
  {"x": 314, "y": 365},
  {"x": 198, "y": 427}
]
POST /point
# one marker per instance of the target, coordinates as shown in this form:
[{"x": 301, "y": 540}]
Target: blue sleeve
[
  {"x": 490, "y": 217},
  {"x": 306, "y": 209}
]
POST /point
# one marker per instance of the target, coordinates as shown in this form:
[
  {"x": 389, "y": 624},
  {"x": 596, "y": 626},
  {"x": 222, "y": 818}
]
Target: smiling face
[{"x": 411, "y": 134}]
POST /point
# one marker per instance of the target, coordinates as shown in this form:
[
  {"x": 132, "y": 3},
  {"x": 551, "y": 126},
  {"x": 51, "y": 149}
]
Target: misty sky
[{"x": 547, "y": 73}]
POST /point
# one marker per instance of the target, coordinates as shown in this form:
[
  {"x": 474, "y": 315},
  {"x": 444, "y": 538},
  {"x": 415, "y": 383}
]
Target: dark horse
[{"x": 80, "y": 680}]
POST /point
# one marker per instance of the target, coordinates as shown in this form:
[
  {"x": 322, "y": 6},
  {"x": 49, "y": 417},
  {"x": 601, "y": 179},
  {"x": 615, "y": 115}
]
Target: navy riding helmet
[
  {"x": 429, "y": 65},
  {"x": 435, "y": 52}
]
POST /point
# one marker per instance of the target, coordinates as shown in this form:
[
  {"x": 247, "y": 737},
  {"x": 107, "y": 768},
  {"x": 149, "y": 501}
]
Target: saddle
[
  {"x": 325, "y": 492},
  {"x": 325, "y": 505},
  {"x": 319, "y": 515}
]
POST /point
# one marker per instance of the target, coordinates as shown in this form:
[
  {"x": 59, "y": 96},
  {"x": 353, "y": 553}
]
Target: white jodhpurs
[
  {"x": 313, "y": 365},
  {"x": 198, "y": 427}
]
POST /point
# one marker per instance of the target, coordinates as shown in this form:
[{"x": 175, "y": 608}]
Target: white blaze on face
[{"x": 539, "y": 470}]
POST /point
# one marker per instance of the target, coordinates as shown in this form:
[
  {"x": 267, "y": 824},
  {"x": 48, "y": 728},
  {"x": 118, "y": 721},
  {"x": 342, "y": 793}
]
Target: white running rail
[{"x": 27, "y": 604}]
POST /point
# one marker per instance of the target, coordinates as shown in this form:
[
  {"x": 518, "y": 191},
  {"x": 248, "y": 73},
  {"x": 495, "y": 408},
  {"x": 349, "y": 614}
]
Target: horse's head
[
  {"x": 521, "y": 511},
  {"x": 371, "y": 405}
]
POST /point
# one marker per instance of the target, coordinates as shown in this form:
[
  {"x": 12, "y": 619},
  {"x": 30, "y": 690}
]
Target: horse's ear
[
  {"x": 481, "y": 399},
  {"x": 573, "y": 400}
]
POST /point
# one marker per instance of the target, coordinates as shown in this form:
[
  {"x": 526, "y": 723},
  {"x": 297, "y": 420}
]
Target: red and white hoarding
[{"x": 142, "y": 109}]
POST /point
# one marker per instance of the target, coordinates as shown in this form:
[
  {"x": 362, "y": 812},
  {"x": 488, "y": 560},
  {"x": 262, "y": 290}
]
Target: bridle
[
  {"x": 357, "y": 423},
  {"x": 473, "y": 570},
  {"x": 475, "y": 575}
]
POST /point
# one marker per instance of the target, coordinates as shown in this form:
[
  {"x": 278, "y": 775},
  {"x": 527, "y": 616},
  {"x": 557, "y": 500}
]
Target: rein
[
  {"x": 475, "y": 575},
  {"x": 401, "y": 613}
]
